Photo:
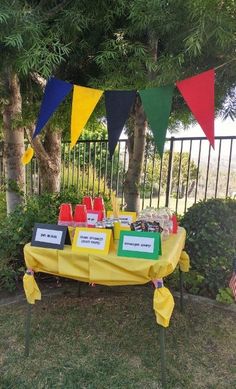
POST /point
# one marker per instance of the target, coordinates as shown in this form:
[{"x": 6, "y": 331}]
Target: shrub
[
  {"x": 16, "y": 229},
  {"x": 211, "y": 239}
]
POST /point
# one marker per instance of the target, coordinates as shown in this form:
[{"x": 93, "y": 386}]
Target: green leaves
[
  {"x": 211, "y": 241},
  {"x": 14, "y": 40}
]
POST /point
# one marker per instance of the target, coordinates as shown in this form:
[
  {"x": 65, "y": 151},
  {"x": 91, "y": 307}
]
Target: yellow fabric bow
[
  {"x": 27, "y": 156},
  {"x": 163, "y": 305},
  {"x": 184, "y": 262},
  {"x": 31, "y": 289}
]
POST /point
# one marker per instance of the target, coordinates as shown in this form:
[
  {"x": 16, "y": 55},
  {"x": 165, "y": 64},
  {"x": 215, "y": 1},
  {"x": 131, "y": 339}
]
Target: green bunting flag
[{"x": 157, "y": 106}]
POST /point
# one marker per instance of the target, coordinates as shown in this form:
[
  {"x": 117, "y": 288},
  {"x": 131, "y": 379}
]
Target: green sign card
[{"x": 137, "y": 244}]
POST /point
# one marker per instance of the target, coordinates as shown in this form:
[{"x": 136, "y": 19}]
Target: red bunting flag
[{"x": 198, "y": 92}]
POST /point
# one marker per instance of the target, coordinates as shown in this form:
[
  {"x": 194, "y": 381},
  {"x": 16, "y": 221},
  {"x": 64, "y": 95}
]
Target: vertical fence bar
[
  {"x": 123, "y": 174},
  {"x": 105, "y": 175},
  {"x": 118, "y": 170},
  {"x": 229, "y": 167},
  {"x": 69, "y": 165},
  {"x": 198, "y": 168},
  {"x": 188, "y": 172},
  {"x": 145, "y": 173},
  {"x": 78, "y": 168},
  {"x": 218, "y": 169},
  {"x": 73, "y": 166},
  {"x": 179, "y": 170},
  {"x": 89, "y": 164},
  {"x": 153, "y": 168},
  {"x": 111, "y": 175},
  {"x": 169, "y": 173},
  {"x": 63, "y": 166},
  {"x": 160, "y": 179},
  {"x": 31, "y": 177},
  {"x": 83, "y": 172},
  {"x": 94, "y": 166},
  {"x": 208, "y": 165},
  {"x": 100, "y": 168}
]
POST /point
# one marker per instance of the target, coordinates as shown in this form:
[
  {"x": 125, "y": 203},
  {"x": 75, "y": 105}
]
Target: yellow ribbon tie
[
  {"x": 184, "y": 262},
  {"x": 163, "y": 305},
  {"x": 31, "y": 289},
  {"x": 27, "y": 156}
]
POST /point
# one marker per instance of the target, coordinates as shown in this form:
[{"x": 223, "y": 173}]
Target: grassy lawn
[{"x": 108, "y": 338}]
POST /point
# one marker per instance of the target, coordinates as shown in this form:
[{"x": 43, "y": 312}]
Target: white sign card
[
  {"x": 92, "y": 240},
  {"x": 95, "y": 240},
  {"x": 92, "y": 218},
  {"x": 135, "y": 243},
  {"x": 50, "y": 236}
]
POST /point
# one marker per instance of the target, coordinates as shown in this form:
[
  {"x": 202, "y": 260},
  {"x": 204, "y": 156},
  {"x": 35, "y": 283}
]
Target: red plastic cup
[
  {"x": 98, "y": 205},
  {"x": 87, "y": 200},
  {"x": 65, "y": 213},
  {"x": 80, "y": 214}
]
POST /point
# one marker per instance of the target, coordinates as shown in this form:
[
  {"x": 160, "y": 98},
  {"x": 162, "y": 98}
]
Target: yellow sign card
[
  {"x": 92, "y": 240},
  {"x": 125, "y": 217}
]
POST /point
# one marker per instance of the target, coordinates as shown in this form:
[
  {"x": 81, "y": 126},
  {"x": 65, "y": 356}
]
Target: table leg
[
  {"x": 27, "y": 328},
  {"x": 79, "y": 289},
  {"x": 181, "y": 287},
  {"x": 163, "y": 358}
]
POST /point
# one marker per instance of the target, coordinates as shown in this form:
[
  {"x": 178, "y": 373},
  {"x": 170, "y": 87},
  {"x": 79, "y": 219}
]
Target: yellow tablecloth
[{"x": 108, "y": 269}]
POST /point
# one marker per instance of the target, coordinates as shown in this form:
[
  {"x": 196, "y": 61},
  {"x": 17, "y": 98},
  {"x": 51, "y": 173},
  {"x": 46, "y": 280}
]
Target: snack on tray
[{"x": 162, "y": 216}]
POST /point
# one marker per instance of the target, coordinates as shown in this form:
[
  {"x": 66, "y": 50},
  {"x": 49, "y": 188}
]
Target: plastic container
[
  {"x": 80, "y": 215},
  {"x": 65, "y": 217},
  {"x": 88, "y": 201},
  {"x": 98, "y": 205}
]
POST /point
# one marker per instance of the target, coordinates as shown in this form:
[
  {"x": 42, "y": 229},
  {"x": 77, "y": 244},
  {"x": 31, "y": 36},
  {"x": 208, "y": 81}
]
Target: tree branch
[
  {"x": 38, "y": 79},
  {"x": 36, "y": 144}
]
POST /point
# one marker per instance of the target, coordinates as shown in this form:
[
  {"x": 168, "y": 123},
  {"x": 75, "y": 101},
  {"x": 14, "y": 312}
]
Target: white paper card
[
  {"x": 48, "y": 236},
  {"x": 93, "y": 240},
  {"x": 92, "y": 218},
  {"x": 135, "y": 243},
  {"x": 125, "y": 221}
]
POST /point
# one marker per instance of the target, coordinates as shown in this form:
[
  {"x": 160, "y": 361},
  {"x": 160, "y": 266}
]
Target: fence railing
[{"x": 189, "y": 171}]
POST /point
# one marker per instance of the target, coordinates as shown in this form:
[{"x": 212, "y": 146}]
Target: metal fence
[{"x": 189, "y": 171}]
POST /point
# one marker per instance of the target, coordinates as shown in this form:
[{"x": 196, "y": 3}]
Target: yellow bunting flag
[
  {"x": 83, "y": 103},
  {"x": 27, "y": 156}
]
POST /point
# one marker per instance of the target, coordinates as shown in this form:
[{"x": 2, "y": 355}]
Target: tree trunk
[
  {"x": 136, "y": 148},
  {"x": 13, "y": 145},
  {"x": 48, "y": 156}
]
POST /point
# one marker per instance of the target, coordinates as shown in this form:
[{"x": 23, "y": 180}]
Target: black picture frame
[{"x": 65, "y": 237}]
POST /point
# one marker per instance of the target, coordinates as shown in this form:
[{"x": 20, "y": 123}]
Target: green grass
[{"x": 108, "y": 338}]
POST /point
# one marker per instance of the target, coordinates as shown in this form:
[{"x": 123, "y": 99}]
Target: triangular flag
[
  {"x": 27, "y": 156},
  {"x": 118, "y": 105},
  {"x": 157, "y": 105},
  {"x": 198, "y": 92},
  {"x": 55, "y": 92},
  {"x": 83, "y": 103}
]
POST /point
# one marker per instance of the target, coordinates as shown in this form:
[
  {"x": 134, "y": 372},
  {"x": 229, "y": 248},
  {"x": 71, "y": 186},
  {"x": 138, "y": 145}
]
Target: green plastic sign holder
[{"x": 135, "y": 244}]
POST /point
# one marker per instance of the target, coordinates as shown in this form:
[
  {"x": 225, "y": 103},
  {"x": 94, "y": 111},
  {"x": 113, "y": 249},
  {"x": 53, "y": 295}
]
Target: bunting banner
[
  {"x": 157, "y": 106},
  {"x": 55, "y": 92},
  {"x": 198, "y": 92},
  {"x": 118, "y": 105},
  {"x": 83, "y": 103}
]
